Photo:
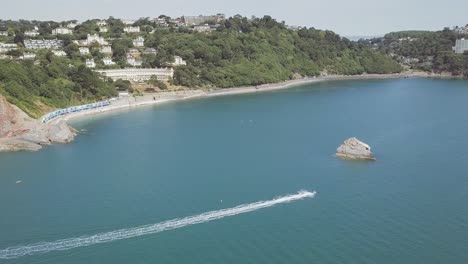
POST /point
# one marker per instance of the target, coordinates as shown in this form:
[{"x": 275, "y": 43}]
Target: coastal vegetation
[
  {"x": 51, "y": 83},
  {"x": 429, "y": 51},
  {"x": 237, "y": 52},
  {"x": 252, "y": 52}
]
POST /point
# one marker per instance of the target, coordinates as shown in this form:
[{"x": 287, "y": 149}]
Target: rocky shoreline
[
  {"x": 18, "y": 131},
  {"x": 21, "y": 132}
]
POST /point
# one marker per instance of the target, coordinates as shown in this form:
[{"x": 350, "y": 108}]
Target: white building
[
  {"x": 139, "y": 42},
  {"x": 461, "y": 45},
  {"x": 31, "y": 33},
  {"x": 43, "y": 43},
  {"x": 134, "y": 62},
  {"x": 90, "y": 63},
  {"x": 84, "y": 50},
  {"x": 128, "y": 22},
  {"x": 5, "y": 47},
  {"x": 202, "y": 28},
  {"x": 96, "y": 38},
  {"x": 106, "y": 49},
  {"x": 108, "y": 61},
  {"x": 101, "y": 23},
  {"x": 59, "y": 53},
  {"x": 3, "y": 33},
  {"x": 28, "y": 56},
  {"x": 132, "y": 29},
  {"x": 103, "y": 29},
  {"x": 62, "y": 31},
  {"x": 139, "y": 75},
  {"x": 199, "y": 20},
  {"x": 90, "y": 39},
  {"x": 72, "y": 25},
  {"x": 178, "y": 61}
]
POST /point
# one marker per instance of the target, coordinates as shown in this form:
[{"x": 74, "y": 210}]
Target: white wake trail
[{"x": 69, "y": 243}]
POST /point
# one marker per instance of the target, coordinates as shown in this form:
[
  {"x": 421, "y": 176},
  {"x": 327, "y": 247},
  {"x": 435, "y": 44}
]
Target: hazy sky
[{"x": 346, "y": 17}]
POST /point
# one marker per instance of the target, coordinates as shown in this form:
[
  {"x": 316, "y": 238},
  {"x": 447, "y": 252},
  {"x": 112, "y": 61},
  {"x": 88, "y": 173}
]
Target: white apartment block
[
  {"x": 5, "y": 47},
  {"x": 132, "y": 29},
  {"x": 461, "y": 45},
  {"x": 62, "y": 31},
  {"x": 31, "y": 33},
  {"x": 3, "y": 33},
  {"x": 103, "y": 29},
  {"x": 139, "y": 75},
  {"x": 139, "y": 42},
  {"x": 43, "y": 43}
]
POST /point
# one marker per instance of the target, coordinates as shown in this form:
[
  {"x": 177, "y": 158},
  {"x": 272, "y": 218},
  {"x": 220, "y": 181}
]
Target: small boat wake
[{"x": 70, "y": 243}]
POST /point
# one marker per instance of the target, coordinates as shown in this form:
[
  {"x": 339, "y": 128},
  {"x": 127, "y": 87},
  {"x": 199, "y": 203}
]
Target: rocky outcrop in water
[
  {"x": 353, "y": 148},
  {"x": 18, "y": 131}
]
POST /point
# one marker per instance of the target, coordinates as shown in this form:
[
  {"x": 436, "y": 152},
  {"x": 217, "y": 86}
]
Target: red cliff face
[
  {"x": 18, "y": 131},
  {"x": 12, "y": 120}
]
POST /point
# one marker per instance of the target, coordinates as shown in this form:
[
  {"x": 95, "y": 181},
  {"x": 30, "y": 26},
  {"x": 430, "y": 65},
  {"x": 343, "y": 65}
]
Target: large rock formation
[
  {"x": 353, "y": 148},
  {"x": 18, "y": 131}
]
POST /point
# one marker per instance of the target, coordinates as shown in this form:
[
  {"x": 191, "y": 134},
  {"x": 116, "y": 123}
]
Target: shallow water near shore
[{"x": 173, "y": 160}]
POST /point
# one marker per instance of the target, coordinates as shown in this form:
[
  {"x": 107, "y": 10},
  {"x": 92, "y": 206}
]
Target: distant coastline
[{"x": 122, "y": 103}]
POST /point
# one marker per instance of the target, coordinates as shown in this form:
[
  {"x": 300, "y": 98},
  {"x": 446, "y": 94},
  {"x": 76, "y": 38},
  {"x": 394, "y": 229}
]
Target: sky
[{"x": 345, "y": 17}]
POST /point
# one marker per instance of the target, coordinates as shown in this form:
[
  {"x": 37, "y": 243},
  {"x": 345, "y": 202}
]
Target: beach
[{"x": 128, "y": 102}]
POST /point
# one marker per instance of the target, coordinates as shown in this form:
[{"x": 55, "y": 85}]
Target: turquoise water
[{"x": 180, "y": 159}]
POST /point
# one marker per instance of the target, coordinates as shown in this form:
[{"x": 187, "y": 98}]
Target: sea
[{"x": 251, "y": 178}]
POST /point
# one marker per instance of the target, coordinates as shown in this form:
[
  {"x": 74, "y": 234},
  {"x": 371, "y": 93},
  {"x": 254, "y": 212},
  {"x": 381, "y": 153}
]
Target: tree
[{"x": 157, "y": 83}]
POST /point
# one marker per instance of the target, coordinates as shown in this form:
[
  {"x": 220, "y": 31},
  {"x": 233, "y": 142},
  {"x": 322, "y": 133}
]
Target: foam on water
[{"x": 69, "y": 243}]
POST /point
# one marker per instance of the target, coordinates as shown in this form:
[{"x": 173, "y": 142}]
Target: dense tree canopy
[
  {"x": 426, "y": 50},
  {"x": 250, "y": 52},
  {"x": 54, "y": 82}
]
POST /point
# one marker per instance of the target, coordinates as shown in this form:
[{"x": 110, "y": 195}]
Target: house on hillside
[
  {"x": 31, "y": 33},
  {"x": 43, "y": 44},
  {"x": 59, "y": 53},
  {"x": 139, "y": 42},
  {"x": 62, "y": 31},
  {"x": 90, "y": 63},
  {"x": 133, "y": 61},
  {"x": 178, "y": 61},
  {"x": 108, "y": 61},
  {"x": 106, "y": 49},
  {"x": 461, "y": 45},
  {"x": 131, "y": 29},
  {"x": 84, "y": 50}
]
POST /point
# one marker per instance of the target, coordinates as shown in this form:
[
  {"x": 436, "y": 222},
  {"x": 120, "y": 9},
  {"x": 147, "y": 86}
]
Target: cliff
[{"x": 18, "y": 131}]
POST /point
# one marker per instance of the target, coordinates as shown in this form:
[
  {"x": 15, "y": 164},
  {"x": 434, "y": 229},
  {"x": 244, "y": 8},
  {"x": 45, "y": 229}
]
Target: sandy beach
[{"x": 129, "y": 102}]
